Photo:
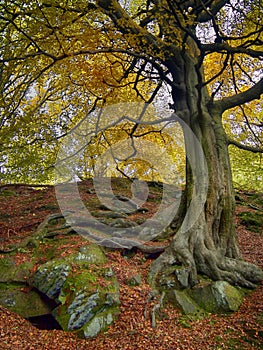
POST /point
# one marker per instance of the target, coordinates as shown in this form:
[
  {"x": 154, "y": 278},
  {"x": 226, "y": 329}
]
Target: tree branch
[
  {"x": 214, "y": 7},
  {"x": 236, "y": 100},
  {"x": 224, "y": 47},
  {"x": 88, "y": 7},
  {"x": 141, "y": 37},
  {"x": 245, "y": 147}
]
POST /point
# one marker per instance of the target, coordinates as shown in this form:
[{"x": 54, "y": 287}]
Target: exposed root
[
  {"x": 156, "y": 308},
  {"x": 207, "y": 262}
]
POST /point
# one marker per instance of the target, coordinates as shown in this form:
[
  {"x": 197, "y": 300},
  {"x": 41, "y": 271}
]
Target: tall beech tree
[{"x": 64, "y": 46}]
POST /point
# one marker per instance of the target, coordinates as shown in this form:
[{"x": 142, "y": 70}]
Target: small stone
[
  {"x": 135, "y": 280},
  {"x": 182, "y": 275},
  {"x": 109, "y": 273},
  {"x": 185, "y": 303}
]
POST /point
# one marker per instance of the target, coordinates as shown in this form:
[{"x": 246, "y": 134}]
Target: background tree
[{"x": 168, "y": 43}]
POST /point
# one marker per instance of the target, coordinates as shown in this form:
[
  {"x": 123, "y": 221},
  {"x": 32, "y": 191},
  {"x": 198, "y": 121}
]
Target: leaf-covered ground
[{"x": 23, "y": 208}]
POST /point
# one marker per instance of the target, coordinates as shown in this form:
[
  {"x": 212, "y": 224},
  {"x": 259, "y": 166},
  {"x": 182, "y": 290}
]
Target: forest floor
[{"x": 23, "y": 208}]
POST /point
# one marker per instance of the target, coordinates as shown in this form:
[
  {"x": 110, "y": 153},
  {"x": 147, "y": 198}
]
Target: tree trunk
[{"x": 209, "y": 244}]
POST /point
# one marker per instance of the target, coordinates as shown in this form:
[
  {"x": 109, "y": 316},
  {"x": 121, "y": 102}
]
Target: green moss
[
  {"x": 184, "y": 322},
  {"x": 6, "y": 262},
  {"x": 10, "y": 272},
  {"x": 78, "y": 288},
  {"x": 48, "y": 206},
  {"x": 7, "y": 193},
  {"x": 219, "y": 297},
  {"x": 48, "y": 249},
  {"x": 28, "y": 304},
  {"x": 252, "y": 220},
  {"x": 91, "y": 254},
  {"x": 248, "y": 337},
  {"x": 256, "y": 198},
  {"x": 79, "y": 280},
  {"x": 48, "y": 252}
]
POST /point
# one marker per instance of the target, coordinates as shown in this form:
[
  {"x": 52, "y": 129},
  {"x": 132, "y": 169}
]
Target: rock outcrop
[{"x": 78, "y": 290}]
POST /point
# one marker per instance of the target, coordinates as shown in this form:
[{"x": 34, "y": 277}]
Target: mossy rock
[
  {"x": 207, "y": 297},
  {"x": 80, "y": 307},
  {"x": 50, "y": 277},
  {"x": 217, "y": 297},
  {"x": 10, "y": 272},
  {"x": 181, "y": 299},
  {"x": 27, "y": 303},
  {"x": 91, "y": 254},
  {"x": 86, "y": 292}
]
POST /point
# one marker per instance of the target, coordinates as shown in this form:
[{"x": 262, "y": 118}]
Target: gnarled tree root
[{"x": 210, "y": 263}]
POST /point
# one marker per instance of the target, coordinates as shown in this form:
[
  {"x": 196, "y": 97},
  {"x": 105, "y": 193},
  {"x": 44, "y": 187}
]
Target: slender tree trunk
[{"x": 209, "y": 244}]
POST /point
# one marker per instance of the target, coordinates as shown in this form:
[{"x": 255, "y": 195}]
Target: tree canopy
[{"x": 59, "y": 60}]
